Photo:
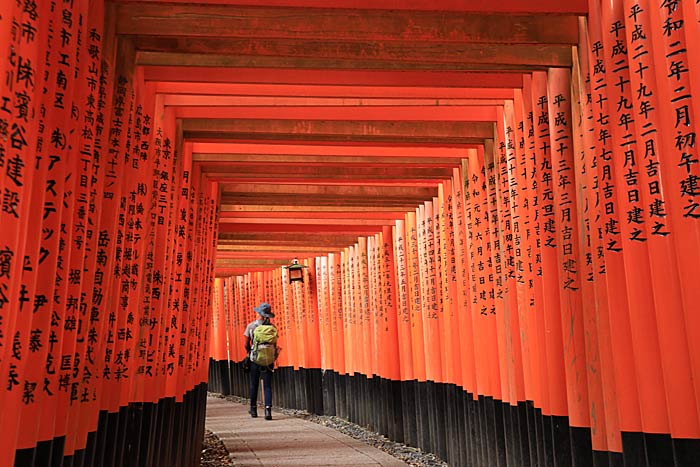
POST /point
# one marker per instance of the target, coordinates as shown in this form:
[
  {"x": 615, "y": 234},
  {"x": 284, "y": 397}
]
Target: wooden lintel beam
[
  {"x": 396, "y": 214},
  {"x": 229, "y": 178},
  {"x": 341, "y": 130},
  {"x": 318, "y": 246},
  {"x": 228, "y": 165},
  {"x": 233, "y": 189},
  {"x": 341, "y": 24},
  {"x": 256, "y": 159},
  {"x": 411, "y": 113},
  {"x": 339, "y": 171},
  {"x": 330, "y": 150},
  {"x": 178, "y": 72},
  {"x": 273, "y": 208},
  {"x": 192, "y": 100},
  {"x": 225, "y": 272},
  {"x": 398, "y": 202},
  {"x": 555, "y": 56},
  {"x": 223, "y": 256},
  {"x": 405, "y": 204},
  {"x": 463, "y": 55},
  {"x": 275, "y": 228},
  {"x": 233, "y": 251},
  {"x": 549, "y": 7},
  {"x": 271, "y": 251},
  {"x": 426, "y": 141},
  {"x": 291, "y": 241},
  {"x": 197, "y": 91},
  {"x": 305, "y": 221},
  {"x": 463, "y": 145},
  {"x": 243, "y": 262},
  {"x": 289, "y": 237}
]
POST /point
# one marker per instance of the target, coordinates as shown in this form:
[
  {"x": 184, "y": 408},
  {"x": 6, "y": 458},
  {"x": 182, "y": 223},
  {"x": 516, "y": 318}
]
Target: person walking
[{"x": 261, "y": 347}]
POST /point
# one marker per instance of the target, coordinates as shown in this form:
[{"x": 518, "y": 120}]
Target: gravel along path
[{"x": 214, "y": 454}]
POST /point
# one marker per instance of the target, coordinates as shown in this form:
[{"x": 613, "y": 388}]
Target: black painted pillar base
[
  {"x": 140, "y": 434},
  {"x": 435, "y": 417}
]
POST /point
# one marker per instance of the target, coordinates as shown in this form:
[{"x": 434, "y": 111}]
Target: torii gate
[{"x": 497, "y": 203}]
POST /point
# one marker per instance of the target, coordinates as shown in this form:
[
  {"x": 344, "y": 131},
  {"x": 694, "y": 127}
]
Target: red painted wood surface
[{"x": 524, "y": 233}]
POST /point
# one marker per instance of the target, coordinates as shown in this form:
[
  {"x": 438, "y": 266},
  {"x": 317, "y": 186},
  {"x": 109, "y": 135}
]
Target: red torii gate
[{"x": 510, "y": 180}]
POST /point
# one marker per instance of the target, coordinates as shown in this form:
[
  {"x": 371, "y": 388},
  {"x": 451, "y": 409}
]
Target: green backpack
[{"x": 264, "y": 350}]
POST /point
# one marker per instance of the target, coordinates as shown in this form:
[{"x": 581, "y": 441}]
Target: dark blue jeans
[{"x": 258, "y": 372}]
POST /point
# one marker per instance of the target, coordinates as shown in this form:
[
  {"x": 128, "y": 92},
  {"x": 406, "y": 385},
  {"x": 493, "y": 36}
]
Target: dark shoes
[{"x": 253, "y": 411}]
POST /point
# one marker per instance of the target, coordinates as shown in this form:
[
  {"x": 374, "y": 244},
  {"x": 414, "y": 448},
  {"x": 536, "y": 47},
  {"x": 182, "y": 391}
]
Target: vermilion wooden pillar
[
  {"x": 311, "y": 323},
  {"x": 509, "y": 227},
  {"x": 547, "y": 248},
  {"x": 388, "y": 324},
  {"x": 604, "y": 425},
  {"x": 475, "y": 195},
  {"x": 521, "y": 268},
  {"x": 463, "y": 286},
  {"x": 442, "y": 291},
  {"x": 531, "y": 203},
  {"x": 23, "y": 193},
  {"x": 676, "y": 81},
  {"x": 415, "y": 297},
  {"x": 335, "y": 285},
  {"x": 403, "y": 297},
  {"x": 569, "y": 261}
]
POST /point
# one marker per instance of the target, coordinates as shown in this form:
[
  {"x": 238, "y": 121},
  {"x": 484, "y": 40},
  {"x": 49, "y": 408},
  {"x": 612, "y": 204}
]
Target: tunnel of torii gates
[{"x": 497, "y": 204}]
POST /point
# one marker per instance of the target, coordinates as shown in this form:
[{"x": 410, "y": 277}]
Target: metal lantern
[{"x": 296, "y": 271}]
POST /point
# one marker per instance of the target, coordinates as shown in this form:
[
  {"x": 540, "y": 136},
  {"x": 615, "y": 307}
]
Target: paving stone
[{"x": 287, "y": 440}]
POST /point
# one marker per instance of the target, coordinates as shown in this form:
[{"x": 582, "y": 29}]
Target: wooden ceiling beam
[
  {"x": 233, "y": 166},
  {"x": 398, "y": 201},
  {"x": 244, "y": 262},
  {"x": 540, "y": 59},
  {"x": 284, "y": 237},
  {"x": 236, "y": 52},
  {"x": 462, "y": 144},
  {"x": 339, "y": 172},
  {"x": 375, "y": 161},
  {"x": 275, "y": 208},
  {"x": 337, "y": 130},
  {"x": 300, "y": 101},
  {"x": 263, "y": 251},
  {"x": 342, "y": 24},
  {"x": 305, "y": 221},
  {"x": 196, "y": 90},
  {"x": 310, "y": 213},
  {"x": 347, "y": 77},
  {"x": 317, "y": 245},
  {"x": 243, "y": 266},
  {"x": 301, "y": 229},
  {"x": 404, "y": 204},
  {"x": 284, "y": 256},
  {"x": 207, "y": 136},
  {"x": 225, "y": 272},
  {"x": 234, "y": 189},
  {"x": 229, "y": 178},
  {"x": 481, "y": 113},
  {"x": 332, "y": 150},
  {"x": 549, "y": 7}
]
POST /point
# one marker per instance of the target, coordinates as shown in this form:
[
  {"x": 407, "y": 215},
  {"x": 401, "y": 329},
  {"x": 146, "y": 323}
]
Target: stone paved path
[{"x": 287, "y": 441}]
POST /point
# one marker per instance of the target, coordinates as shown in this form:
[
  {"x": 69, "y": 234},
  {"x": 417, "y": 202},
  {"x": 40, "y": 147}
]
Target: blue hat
[{"x": 264, "y": 310}]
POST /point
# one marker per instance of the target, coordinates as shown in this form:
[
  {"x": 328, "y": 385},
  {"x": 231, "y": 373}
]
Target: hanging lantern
[{"x": 296, "y": 271}]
